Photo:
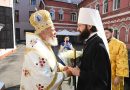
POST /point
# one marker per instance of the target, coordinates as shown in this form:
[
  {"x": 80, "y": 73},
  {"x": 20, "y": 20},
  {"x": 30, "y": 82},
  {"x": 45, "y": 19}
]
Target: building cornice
[
  {"x": 65, "y": 24},
  {"x": 116, "y": 15},
  {"x": 65, "y": 27},
  {"x": 96, "y": 1},
  {"x": 117, "y": 20},
  {"x": 60, "y": 7}
]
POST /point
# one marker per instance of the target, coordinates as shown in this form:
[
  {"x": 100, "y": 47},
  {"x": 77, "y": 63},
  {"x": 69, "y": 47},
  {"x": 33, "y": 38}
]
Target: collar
[
  {"x": 92, "y": 34},
  {"x": 110, "y": 39},
  {"x": 45, "y": 42}
]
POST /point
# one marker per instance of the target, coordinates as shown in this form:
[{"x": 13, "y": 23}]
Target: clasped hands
[{"x": 72, "y": 71}]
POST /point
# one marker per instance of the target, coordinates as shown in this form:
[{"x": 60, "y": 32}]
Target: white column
[{"x": 12, "y": 5}]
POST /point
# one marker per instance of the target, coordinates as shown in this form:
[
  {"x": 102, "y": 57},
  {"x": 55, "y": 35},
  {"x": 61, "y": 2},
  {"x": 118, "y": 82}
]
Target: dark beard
[
  {"x": 84, "y": 35},
  {"x": 109, "y": 39}
]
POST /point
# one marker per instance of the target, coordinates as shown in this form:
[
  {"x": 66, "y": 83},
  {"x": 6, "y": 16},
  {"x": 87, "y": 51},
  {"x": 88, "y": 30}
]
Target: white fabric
[
  {"x": 68, "y": 55},
  {"x": 1, "y": 26},
  {"x": 92, "y": 17},
  {"x": 38, "y": 74}
]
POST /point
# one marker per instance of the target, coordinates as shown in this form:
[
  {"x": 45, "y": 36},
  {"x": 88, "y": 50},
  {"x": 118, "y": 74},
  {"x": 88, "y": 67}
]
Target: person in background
[
  {"x": 119, "y": 60},
  {"x": 66, "y": 45}
]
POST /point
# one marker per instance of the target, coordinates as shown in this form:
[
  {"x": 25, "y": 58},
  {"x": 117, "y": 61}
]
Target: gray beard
[{"x": 53, "y": 42}]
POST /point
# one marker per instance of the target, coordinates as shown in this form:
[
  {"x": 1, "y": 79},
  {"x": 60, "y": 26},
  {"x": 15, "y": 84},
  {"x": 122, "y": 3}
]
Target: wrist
[{"x": 65, "y": 74}]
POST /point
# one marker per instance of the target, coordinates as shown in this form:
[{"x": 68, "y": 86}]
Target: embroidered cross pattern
[
  {"x": 40, "y": 87},
  {"x": 26, "y": 72},
  {"x": 33, "y": 42},
  {"x": 41, "y": 62}
]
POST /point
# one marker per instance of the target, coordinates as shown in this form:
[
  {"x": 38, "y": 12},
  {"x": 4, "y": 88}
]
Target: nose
[
  {"x": 54, "y": 32},
  {"x": 78, "y": 29}
]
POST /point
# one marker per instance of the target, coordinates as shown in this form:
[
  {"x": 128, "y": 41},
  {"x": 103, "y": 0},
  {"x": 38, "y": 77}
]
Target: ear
[
  {"x": 113, "y": 33},
  {"x": 89, "y": 27}
]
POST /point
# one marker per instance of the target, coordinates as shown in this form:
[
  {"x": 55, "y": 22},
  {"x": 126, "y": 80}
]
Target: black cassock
[{"x": 95, "y": 68}]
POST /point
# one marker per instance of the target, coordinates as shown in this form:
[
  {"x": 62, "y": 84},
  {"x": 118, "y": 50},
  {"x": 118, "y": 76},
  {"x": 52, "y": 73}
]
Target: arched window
[
  {"x": 129, "y": 35},
  {"x": 74, "y": 17},
  {"x": 105, "y": 6},
  {"x": 115, "y": 32},
  {"x": 16, "y": 15},
  {"x": 122, "y": 35},
  {"x": 16, "y": 1},
  {"x": 52, "y": 13},
  {"x": 61, "y": 14},
  {"x": 97, "y": 7},
  {"x": 116, "y": 4},
  {"x": 33, "y": 2}
]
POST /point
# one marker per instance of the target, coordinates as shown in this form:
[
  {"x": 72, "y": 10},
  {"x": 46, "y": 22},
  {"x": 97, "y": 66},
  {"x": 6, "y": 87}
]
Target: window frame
[
  {"x": 32, "y": 2},
  {"x": 105, "y": 6},
  {"x": 16, "y": 15},
  {"x": 52, "y": 13},
  {"x": 61, "y": 14},
  {"x": 73, "y": 16},
  {"x": 116, "y": 4}
]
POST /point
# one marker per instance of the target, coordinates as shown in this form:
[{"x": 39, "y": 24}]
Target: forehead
[
  {"x": 50, "y": 29},
  {"x": 107, "y": 31},
  {"x": 81, "y": 25},
  {"x": 66, "y": 37}
]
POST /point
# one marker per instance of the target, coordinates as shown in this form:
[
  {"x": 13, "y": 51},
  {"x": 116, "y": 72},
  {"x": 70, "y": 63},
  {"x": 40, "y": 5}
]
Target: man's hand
[
  {"x": 117, "y": 80},
  {"x": 68, "y": 72},
  {"x": 75, "y": 71},
  {"x": 65, "y": 68}
]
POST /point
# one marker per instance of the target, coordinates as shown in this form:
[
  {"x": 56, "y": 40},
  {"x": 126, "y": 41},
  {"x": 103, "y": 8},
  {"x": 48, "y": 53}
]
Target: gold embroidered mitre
[{"x": 41, "y": 20}]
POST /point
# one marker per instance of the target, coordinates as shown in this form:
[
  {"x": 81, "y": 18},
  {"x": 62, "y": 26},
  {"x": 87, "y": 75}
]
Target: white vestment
[{"x": 40, "y": 66}]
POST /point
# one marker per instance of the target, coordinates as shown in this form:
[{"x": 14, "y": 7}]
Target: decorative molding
[
  {"x": 95, "y": 1},
  {"x": 129, "y": 27},
  {"x": 65, "y": 27},
  {"x": 117, "y": 21},
  {"x": 66, "y": 24},
  {"x": 128, "y": 32},
  {"x": 116, "y": 15},
  {"x": 125, "y": 26},
  {"x": 60, "y": 7}
]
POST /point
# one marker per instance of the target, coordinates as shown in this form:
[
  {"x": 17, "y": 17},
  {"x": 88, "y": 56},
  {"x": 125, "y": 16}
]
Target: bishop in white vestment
[{"x": 41, "y": 71}]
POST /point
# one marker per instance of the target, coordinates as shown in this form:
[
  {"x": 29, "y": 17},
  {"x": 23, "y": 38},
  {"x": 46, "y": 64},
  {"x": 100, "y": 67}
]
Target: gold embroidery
[
  {"x": 26, "y": 72},
  {"x": 27, "y": 50},
  {"x": 33, "y": 42},
  {"x": 40, "y": 87},
  {"x": 41, "y": 62},
  {"x": 52, "y": 83}
]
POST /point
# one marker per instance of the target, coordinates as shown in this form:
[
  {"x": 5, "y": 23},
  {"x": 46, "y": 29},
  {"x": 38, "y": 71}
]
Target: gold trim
[
  {"x": 52, "y": 83},
  {"x": 27, "y": 50},
  {"x": 59, "y": 87}
]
